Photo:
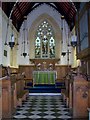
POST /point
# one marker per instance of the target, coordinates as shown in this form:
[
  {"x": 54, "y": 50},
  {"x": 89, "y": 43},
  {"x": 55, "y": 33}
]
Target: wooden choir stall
[
  {"x": 13, "y": 94},
  {"x": 77, "y": 95}
]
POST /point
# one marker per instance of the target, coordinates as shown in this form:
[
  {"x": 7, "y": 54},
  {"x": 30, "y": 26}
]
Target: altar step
[
  {"x": 57, "y": 84},
  {"x": 43, "y": 89},
  {"x": 44, "y": 86}
]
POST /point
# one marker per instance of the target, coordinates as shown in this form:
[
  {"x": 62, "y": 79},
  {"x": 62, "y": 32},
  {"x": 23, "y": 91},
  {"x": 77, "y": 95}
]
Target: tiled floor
[{"x": 48, "y": 107}]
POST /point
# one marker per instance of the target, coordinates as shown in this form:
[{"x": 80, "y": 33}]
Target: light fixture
[
  {"x": 24, "y": 54},
  {"x": 62, "y": 17},
  {"x": 63, "y": 54},
  {"x": 73, "y": 41},
  {"x": 62, "y": 21},
  {"x": 25, "y": 40},
  {"x": 11, "y": 43}
]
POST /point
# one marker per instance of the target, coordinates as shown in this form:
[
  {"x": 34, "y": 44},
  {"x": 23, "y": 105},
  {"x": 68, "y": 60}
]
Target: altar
[{"x": 44, "y": 77}]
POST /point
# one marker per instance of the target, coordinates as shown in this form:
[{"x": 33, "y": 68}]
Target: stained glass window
[{"x": 44, "y": 41}]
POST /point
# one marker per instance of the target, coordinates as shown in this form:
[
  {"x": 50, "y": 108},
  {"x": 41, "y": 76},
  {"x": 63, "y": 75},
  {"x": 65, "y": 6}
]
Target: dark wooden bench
[{"x": 21, "y": 93}]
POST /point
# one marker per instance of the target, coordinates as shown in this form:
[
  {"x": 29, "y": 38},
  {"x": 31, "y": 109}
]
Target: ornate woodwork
[
  {"x": 79, "y": 97},
  {"x": 48, "y": 62}
]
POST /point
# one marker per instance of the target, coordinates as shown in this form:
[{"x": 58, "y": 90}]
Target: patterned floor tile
[
  {"x": 34, "y": 116},
  {"x": 42, "y": 114},
  {"x": 42, "y": 107},
  {"x": 62, "y": 108},
  {"x": 35, "y": 112},
  {"x": 49, "y": 116},
  {"x": 20, "y": 116},
  {"x": 63, "y": 112},
  {"x": 49, "y": 112},
  {"x": 55, "y": 110},
  {"x": 56, "y": 114},
  {"x": 49, "y": 108},
  {"x": 22, "y": 112},
  {"x": 64, "y": 116},
  {"x": 24, "y": 108}
]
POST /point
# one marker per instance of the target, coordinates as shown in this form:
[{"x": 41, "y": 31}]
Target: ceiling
[{"x": 17, "y": 11}]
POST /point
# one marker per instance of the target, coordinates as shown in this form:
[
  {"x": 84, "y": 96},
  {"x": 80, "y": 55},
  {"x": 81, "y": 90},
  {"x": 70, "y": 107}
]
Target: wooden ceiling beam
[{"x": 23, "y": 9}]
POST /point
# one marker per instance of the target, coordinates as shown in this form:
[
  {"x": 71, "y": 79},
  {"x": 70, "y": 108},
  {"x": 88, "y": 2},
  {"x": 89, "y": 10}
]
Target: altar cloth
[{"x": 44, "y": 77}]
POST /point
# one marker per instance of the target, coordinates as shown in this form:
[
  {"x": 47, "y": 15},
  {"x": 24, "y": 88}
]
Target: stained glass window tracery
[{"x": 45, "y": 41}]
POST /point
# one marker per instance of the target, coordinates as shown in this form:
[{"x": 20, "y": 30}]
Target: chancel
[{"x": 45, "y": 60}]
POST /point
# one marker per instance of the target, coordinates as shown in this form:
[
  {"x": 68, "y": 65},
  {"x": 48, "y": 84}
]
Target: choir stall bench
[
  {"x": 13, "y": 94},
  {"x": 21, "y": 93}
]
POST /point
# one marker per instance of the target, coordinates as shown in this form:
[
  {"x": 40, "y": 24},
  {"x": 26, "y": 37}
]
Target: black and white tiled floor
[{"x": 48, "y": 107}]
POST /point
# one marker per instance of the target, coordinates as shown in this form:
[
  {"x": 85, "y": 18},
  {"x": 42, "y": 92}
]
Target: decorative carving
[
  {"x": 39, "y": 66},
  {"x": 84, "y": 90},
  {"x": 85, "y": 94},
  {"x": 44, "y": 66},
  {"x": 50, "y": 66}
]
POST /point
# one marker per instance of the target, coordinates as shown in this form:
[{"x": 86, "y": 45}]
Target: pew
[
  {"x": 7, "y": 97},
  {"x": 89, "y": 97},
  {"x": 21, "y": 94},
  {"x": 13, "y": 94},
  {"x": 65, "y": 92},
  {"x": 89, "y": 112},
  {"x": 77, "y": 95},
  {"x": 89, "y": 93},
  {"x": 80, "y": 97},
  {"x": 28, "y": 82}
]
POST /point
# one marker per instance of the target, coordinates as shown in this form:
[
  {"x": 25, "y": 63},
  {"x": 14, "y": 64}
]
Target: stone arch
[{"x": 56, "y": 29}]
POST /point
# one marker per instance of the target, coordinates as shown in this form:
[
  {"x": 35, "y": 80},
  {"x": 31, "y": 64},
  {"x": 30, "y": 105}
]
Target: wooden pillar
[
  {"x": 89, "y": 94},
  {"x": 89, "y": 113},
  {"x": 70, "y": 95},
  {"x": 7, "y": 98},
  {"x": 0, "y": 71},
  {"x": 0, "y": 99},
  {"x": 88, "y": 23}
]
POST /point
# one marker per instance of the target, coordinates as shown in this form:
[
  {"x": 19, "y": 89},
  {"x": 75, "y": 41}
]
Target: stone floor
[{"x": 43, "y": 107}]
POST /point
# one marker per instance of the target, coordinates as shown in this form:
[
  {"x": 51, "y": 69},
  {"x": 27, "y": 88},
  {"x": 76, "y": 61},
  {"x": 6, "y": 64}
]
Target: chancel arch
[{"x": 56, "y": 34}]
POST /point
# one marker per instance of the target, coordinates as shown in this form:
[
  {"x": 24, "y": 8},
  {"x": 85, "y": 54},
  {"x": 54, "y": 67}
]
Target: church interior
[{"x": 44, "y": 60}]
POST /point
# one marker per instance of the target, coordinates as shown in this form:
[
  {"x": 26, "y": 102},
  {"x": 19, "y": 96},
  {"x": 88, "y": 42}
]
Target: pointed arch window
[{"x": 45, "y": 41}]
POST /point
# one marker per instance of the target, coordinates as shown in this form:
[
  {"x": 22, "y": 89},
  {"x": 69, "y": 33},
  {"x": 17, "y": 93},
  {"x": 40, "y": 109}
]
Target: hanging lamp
[{"x": 24, "y": 40}]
